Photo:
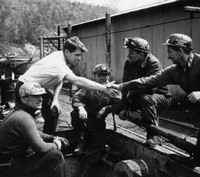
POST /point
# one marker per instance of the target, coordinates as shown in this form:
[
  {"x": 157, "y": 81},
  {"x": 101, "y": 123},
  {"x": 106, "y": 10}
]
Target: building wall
[{"x": 154, "y": 24}]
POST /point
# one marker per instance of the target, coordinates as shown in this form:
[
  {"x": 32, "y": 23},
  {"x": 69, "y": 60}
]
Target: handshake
[
  {"x": 112, "y": 85},
  {"x": 61, "y": 143}
]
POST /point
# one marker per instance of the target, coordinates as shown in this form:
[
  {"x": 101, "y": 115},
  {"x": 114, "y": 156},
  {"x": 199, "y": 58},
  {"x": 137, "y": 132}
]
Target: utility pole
[
  {"x": 41, "y": 47},
  {"x": 69, "y": 29},
  {"x": 108, "y": 40},
  {"x": 58, "y": 37}
]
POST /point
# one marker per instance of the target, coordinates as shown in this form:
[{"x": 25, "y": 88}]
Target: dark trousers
[
  {"x": 196, "y": 156},
  {"x": 149, "y": 105},
  {"x": 50, "y": 115},
  {"x": 51, "y": 164},
  {"x": 181, "y": 101},
  {"x": 78, "y": 126},
  {"x": 94, "y": 139}
]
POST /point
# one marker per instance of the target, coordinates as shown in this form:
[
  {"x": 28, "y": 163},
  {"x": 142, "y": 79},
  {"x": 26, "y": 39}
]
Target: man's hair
[{"x": 74, "y": 43}]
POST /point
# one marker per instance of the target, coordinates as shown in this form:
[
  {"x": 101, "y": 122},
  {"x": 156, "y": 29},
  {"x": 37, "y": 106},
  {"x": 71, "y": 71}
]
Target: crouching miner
[
  {"x": 31, "y": 153},
  {"x": 90, "y": 110}
]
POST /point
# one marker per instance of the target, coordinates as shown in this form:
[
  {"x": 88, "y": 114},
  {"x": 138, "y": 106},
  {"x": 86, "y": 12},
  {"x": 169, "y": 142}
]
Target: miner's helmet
[
  {"x": 102, "y": 69},
  {"x": 31, "y": 88},
  {"x": 137, "y": 43},
  {"x": 180, "y": 41}
]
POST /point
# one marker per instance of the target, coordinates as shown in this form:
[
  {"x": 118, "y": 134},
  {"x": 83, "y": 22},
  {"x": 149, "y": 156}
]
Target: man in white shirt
[{"x": 51, "y": 71}]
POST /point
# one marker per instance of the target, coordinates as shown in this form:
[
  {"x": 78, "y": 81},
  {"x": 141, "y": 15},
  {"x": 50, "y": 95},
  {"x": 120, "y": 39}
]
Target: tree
[{"x": 26, "y": 20}]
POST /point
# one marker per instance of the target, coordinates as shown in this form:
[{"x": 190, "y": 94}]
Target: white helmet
[{"x": 31, "y": 88}]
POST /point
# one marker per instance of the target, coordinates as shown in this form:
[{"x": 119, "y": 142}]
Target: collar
[
  {"x": 145, "y": 61},
  {"x": 64, "y": 58},
  {"x": 190, "y": 60}
]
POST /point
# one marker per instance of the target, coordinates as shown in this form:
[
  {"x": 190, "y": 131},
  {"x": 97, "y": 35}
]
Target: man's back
[
  {"x": 48, "y": 71},
  {"x": 13, "y": 133}
]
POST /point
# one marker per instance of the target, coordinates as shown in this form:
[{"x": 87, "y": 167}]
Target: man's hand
[
  {"x": 123, "y": 115},
  {"x": 114, "y": 86},
  {"x": 64, "y": 141},
  {"x": 58, "y": 143},
  {"x": 194, "y": 97},
  {"x": 82, "y": 113},
  {"x": 111, "y": 91},
  {"x": 57, "y": 105}
]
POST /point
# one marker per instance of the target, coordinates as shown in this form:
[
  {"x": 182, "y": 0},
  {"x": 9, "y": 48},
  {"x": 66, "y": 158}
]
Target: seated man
[
  {"x": 141, "y": 63},
  {"x": 184, "y": 72},
  {"x": 90, "y": 110},
  {"x": 31, "y": 152}
]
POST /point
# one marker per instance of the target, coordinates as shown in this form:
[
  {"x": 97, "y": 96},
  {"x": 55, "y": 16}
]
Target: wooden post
[
  {"x": 58, "y": 37},
  {"x": 108, "y": 40},
  {"x": 41, "y": 47},
  {"x": 69, "y": 29}
]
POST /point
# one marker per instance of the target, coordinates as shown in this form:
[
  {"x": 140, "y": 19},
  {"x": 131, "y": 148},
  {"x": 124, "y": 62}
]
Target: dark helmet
[
  {"x": 179, "y": 40},
  {"x": 137, "y": 43},
  {"x": 101, "y": 69}
]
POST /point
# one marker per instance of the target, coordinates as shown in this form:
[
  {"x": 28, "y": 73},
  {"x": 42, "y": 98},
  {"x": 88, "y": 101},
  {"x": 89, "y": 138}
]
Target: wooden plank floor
[
  {"x": 65, "y": 121},
  {"x": 174, "y": 117}
]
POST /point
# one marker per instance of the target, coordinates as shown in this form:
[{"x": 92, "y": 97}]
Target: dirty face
[
  {"x": 101, "y": 78},
  {"x": 134, "y": 56},
  {"x": 73, "y": 58},
  {"x": 33, "y": 101},
  {"x": 175, "y": 56}
]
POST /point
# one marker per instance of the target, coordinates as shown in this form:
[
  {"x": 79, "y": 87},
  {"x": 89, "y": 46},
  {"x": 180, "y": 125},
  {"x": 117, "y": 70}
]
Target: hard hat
[
  {"x": 31, "y": 88},
  {"x": 179, "y": 40},
  {"x": 101, "y": 69},
  {"x": 137, "y": 43}
]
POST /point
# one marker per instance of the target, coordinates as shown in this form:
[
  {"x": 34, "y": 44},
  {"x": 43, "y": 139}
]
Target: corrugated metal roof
[{"x": 156, "y": 4}]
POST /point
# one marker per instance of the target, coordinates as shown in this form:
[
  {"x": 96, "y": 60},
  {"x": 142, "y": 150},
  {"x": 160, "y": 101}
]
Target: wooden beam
[
  {"x": 108, "y": 40},
  {"x": 192, "y": 9}
]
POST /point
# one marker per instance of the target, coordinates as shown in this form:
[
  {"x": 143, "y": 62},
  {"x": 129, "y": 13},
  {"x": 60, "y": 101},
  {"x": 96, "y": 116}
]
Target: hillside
[
  {"x": 26, "y": 20},
  {"x": 23, "y": 21}
]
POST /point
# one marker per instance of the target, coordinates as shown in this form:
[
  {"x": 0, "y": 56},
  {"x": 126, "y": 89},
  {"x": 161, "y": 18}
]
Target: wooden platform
[{"x": 176, "y": 122}]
